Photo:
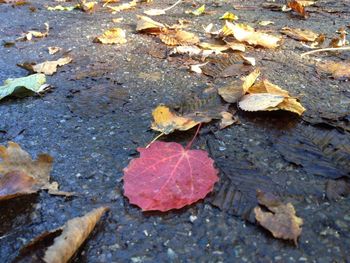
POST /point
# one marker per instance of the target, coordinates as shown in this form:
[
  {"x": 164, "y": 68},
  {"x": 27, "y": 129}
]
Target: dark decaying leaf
[
  {"x": 318, "y": 151},
  {"x": 226, "y": 67},
  {"x": 335, "y": 189},
  {"x": 280, "y": 219},
  {"x": 60, "y": 245},
  {"x": 236, "y": 191}
]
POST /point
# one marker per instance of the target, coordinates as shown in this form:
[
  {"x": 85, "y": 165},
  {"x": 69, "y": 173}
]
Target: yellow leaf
[
  {"x": 266, "y": 23},
  {"x": 179, "y": 38},
  {"x": 292, "y": 105},
  {"x": 166, "y": 122},
  {"x": 198, "y": 11},
  {"x": 122, "y": 7},
  {"x": 245, "y": 33},
  {"x": 229, "y": 16},
  {"x": 112, "y": 36},
  {"x": 300, "y": 34},
  {"x": 266, "y": 86}
]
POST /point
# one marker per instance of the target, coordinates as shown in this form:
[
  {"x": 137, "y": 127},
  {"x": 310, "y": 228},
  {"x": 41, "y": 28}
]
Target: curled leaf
[
  {"x": 148, "y": 25},
  {"x": 166, "y": 176},
  {"x": 47, "y": 67},
  {"x": 280, "y": 220},
  {"x": 300, "y": 34}
]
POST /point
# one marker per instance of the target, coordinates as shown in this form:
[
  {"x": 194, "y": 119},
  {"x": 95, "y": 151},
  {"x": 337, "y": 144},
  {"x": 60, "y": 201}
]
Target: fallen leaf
[
  {"x": 229, "y": 16},
  {"x": 36, "y": 34},
  {"x": 280, "y": 220},
  {"x": 117, "y": 20},
  {"x": 216, "y": 47},
  {"x": 166, "y": 176},
  {"x": 47, "y": 67},
  {"x": 123, "y": 7},
  {"x": 87, "y": 6},
  {"x": 62, "y": 8},
  {"x": 227, "y": 120},
  {"x": 199, "y": 11},
  {"x": 112, "y": 36},
  {"x": 298, "y": 7},
  {"x": 266, "y": 86},
  {"x": 66, "y": 240},
  {"x": 166, "y": 122},
  {"x": 19, "y": 174},
  {"x": 245, "y": 33},
  {"x": 179, "y": 38},
  {"x": 338, "y": 70},
  {"x": 148, "y": 25},
  {"x": 34, "y": 83},
  {"x": 189, "y": 50},
  {"x": 300, "y": 34},
  {"x": 236, "y": 89},
  {"x": 54, "y": 50},
  {"x": 266, "y": 23},
  {"x": 154, "y": 12},
  {"x": 197, "y": 67},
  {"x": 259, "y": 101}
]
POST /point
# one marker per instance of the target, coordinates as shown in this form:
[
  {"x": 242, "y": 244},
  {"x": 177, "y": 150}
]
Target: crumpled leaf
[
  {"x": 280, "y": 220},
  {"x": 125, "y": 6},
  {"x": 245, "y": 33},
  {"x": 148, "y": 25},
  {"x": 66, "y": 239},
  {"x": 36, "y": 34},
  {"x": 166, "y": 176},
  {"x": 166, "y": 122},
  {"x": 47, "y": 67},
  {"x": 112, "y": 36},
  {"x": 229, "y": 16},
  {"x": 227, "y": 120},
  {"x": 338, "y": 70},
  {"x": 300, "y": 34},
  {"x": 35, "y": 83},
  {"x": 199, "y": 11},
  {"x": 236, "y": 89},
  {"x": 179, "y": 38},
  {"x": 298, "y": 7},
  {"x": 20, "y": 175}
]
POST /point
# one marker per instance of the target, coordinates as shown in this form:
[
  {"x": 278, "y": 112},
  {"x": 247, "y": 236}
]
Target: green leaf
[{"x": 33, "y": 83}]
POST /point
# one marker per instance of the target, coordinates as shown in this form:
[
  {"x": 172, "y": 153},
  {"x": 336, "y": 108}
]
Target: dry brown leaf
[
  {"x": 36, "y": 34},
  {"x": 236, "y": 89},
  {"x": 122, "y": 7},
  {"x": 266, "y": 86},
  {"x": 282, "y": 221},
  {"x": 189, "y": 50},
  {"x": 339, "y": 70},
  {"x": 19, "y": 174},
  {"x": 112, "y": 36},
  {"x": 266, "y": 23},
  {"x": 300, "y": 34},
  {"x": 47, "y": 67},
  {"x": 166, "y": 122},
  {"x": 298, "y": 7},
  {"x": 148, "y": 25},
  {"x": 66, "y": 240},
  {"x": 292, "y": 105},
  {"x": 259, "y": 101},
  {"x": 179, "y": 38},
  {"x": 245, "y": 33},
  {"x": 53, "y": 50},
  {"x": 227, "y": 120}
]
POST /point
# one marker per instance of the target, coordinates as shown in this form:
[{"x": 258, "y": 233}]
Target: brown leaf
[
  {"x": 47, "y": 67},
  {"x": 280, "y": 220},
  {"x": 227, "y": 120},
  {"x": 148, "y": 25},
  {"x": 339, "y": 70},
  {"x": 179, "y": 38},
  {"x": 300, "y": 34},
  {"x": 236, "y": 89},
  {"x": 67, "y": 240},
  {"x": 19, "y": 174},
  {"x": 298, "y": 7},
  {"x": 112, "y": 36},
  {"x": 54, "y": 50},
  {"x": 36, "y": 34}
]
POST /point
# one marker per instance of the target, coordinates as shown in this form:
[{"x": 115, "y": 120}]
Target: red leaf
[{"x": 167, "y": 176}]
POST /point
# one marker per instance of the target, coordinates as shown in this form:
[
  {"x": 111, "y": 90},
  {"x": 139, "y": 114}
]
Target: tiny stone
[
  {"x": 193, "y": 218},
  {"x": 171, "y": 254}
]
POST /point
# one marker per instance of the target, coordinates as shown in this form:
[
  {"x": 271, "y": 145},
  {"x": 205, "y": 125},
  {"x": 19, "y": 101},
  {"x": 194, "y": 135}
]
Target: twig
[
  {"x": 325, "y": 49},
  {"x": 158, "y": 136},
  {"x": 170, "y": 7}
]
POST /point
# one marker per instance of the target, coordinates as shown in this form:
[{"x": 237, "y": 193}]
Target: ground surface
[{"x": 100, "y": 112}]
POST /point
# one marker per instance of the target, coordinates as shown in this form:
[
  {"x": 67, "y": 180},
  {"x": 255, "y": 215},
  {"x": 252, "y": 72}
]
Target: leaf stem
[
  {"x": 158, "y": 136},
  {"x": 194, "y": 137},
  {"x": 325, "y": 49}
]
